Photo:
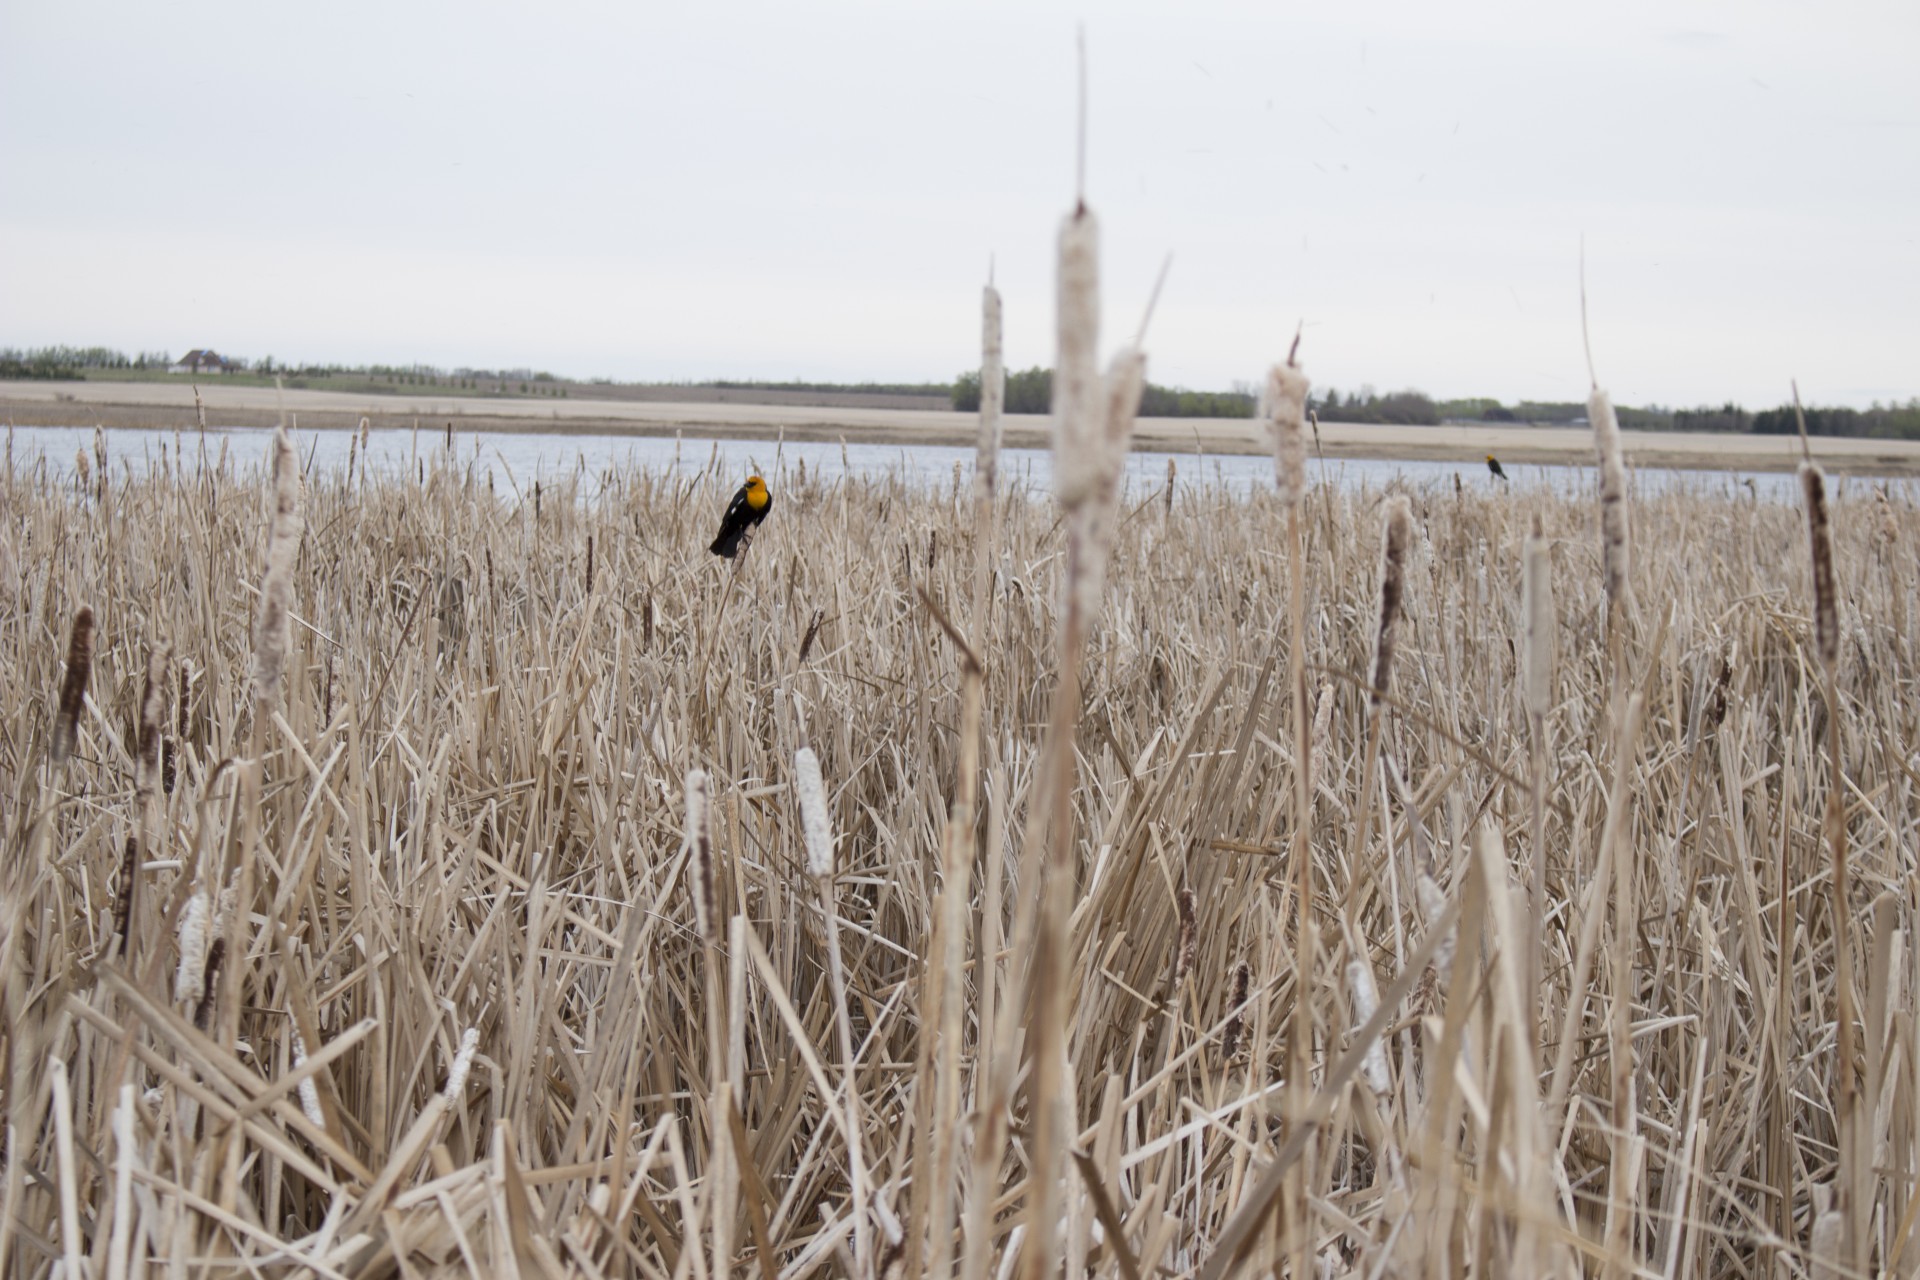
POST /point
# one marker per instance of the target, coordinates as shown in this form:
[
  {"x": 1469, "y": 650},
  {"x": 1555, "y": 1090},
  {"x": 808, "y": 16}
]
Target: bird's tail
[{"x": 726, "y": 544}]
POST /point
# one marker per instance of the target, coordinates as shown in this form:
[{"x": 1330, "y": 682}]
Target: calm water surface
[{"x": 515, "y": 462}]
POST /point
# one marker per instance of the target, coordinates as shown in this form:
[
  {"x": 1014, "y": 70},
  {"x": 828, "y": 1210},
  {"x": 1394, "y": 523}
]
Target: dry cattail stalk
[
  {"x": 461, "y": 1065},
  {"x": 73, "y": 689},
  {"x": 195, "y": 919},
  {"x": 1614, "y": 542},
  {"x": 82, "y": 470},
  {"x": 1237, "y": 1004},
  {"x": 589, "y": 564},
  {"x": 276, "y": 587},
  {"x": 1286, "y": 419},
  {"x": 1826, "y": 611},
  {"x": 815, "y": 824},
  {"x": 1365, "y": 995},
  {"x": 700, "y": 865},
  {"x": 1536, "y": 611},
  {"x": 1396, "y": 533},
  {"x": 993, "y": 397}
]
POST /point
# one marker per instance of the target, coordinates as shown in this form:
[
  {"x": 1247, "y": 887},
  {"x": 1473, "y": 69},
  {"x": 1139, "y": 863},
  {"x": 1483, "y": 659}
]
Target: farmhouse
[{"x": 201, "y": 360}]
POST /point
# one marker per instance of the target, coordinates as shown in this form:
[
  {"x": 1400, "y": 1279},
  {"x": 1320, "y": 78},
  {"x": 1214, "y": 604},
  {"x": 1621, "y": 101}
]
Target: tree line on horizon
[{"x": 1031, "y": 391}]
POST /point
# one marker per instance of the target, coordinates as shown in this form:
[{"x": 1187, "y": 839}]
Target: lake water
[{"x": 516, "y": 461}]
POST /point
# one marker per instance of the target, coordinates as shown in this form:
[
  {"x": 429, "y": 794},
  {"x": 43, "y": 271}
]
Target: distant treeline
[
  {"x": 1887, "y": 421},
  {"x": 69, "y": 362},
  {"x": 1031, "y": 391}
]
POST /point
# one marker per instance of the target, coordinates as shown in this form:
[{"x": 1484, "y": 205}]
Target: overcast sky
[{"x": 810, "y": 190}]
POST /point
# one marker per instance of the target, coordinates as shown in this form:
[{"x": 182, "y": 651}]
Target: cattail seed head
[
  {"x": 1432, "y": 904},
  {"x": 993, "y": 396},
  {"x": 1396, "y": 535},
  {"x": 462, "y": 1064},
  {"x": 1614, "y": 541},
  {"x": 1236, "y": 1002},
  {"x": 309, "y": 1092},
  {"x": 276, "y": 586},
  {"x": 73, "y": 689},
  {"x": 1186, "y": 944},
  {"x": 1285, "y": 400},
  {"x": 1076, "y": 370},
  {"x": 123, "y": 909},
  {"x": 216, "y": 956},
  {"x": 1536, "y": 611},
  {"x": 195, "y": 920},
  {"x": 153, "y": 697},
  {"x": 815, "y": 824},
  {"x": 1826, "y": 609},
  {"x": 700, "y": 843},
  {"x": 1365, "y": 995}
]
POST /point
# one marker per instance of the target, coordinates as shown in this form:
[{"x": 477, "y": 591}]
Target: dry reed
[{"x": 470, "y": 906}]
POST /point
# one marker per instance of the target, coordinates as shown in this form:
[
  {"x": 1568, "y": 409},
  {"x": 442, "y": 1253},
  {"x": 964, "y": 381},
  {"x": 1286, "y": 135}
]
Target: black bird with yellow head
[
  {"x": 748, "y": 508},
  {"x": 1493, "y": 465}
]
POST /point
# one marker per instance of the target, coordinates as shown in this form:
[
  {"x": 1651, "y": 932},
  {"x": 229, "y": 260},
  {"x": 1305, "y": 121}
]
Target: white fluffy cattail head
[
  {"x": 993, "y": 396},
  {"x": 1365, "y": 995},
  {"x": 462, "y": 1064},
  {"x": 1536, "y": 611},
  {"x": 816, "y": 826},
  {"x": 276, "y": 586},
  {"x": 309, "y": 1092},
  {"x": 1076, "y": 368},
  {"x": 1826, "y": 609},
  {"x": 1432, "y": 904},
  {"x": 1285, "y": 402},
  {"x": 195, "y": 922},
  {"x": 1396, "y": 535},
  {"x": 1615, "y": 544},
  {"x": 700, "y": 860}
]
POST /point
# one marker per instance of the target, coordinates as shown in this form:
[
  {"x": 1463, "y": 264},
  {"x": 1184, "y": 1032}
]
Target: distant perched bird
[
  {"x": 748, "y": 508},
  {"x": 1493, "y": 465}
]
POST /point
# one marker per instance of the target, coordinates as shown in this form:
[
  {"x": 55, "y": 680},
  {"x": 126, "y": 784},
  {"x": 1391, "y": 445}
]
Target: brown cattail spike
[
  {"x": 1826, "y": 609},
  {"x": 1396, "y": 534},
  {"x": 1237, "y": 1004},
  {"x": 73, "y": 689},
  {"x": 153, "y": 696}
]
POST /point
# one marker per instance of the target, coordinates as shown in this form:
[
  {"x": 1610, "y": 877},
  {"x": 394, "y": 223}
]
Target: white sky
[{"x": 782, "y": 190}]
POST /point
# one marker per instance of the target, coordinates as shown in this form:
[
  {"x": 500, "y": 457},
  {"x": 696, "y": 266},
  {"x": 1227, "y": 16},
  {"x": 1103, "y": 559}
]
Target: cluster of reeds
[{"x": 699, "y": 921}]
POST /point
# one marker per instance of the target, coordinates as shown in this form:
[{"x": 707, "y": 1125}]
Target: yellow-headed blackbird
[
  {"x": 1493, "y": 465},
  {"x": 748, "y": 508}
]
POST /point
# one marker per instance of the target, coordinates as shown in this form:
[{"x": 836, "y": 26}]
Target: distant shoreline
[{"x": 169, "y": 406}]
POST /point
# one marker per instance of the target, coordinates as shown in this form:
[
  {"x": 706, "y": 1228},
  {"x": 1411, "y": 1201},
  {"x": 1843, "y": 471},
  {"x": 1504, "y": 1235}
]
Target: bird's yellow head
[
  {"x": 756, "y": 492},
  {"x": 1491, "y": 458}
]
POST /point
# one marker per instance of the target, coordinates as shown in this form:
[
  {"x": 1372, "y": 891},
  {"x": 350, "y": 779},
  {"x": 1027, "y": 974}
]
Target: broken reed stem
[{"x": 1855, "y": 1169}]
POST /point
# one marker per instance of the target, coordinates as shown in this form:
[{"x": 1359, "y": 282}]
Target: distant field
[{"x": 170, "y": 404}]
